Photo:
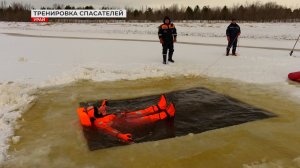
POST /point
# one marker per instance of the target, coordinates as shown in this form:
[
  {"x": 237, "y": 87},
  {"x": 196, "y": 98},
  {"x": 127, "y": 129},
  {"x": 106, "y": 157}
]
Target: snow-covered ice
[{"x": 28, "y": 63}]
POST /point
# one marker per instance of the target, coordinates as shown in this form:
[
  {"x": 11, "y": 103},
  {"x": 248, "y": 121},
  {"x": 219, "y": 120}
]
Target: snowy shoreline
[{"x": 29, "y": 63}]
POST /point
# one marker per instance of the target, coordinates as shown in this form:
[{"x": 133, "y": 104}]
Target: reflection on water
[{"x": 51, "y": 135}]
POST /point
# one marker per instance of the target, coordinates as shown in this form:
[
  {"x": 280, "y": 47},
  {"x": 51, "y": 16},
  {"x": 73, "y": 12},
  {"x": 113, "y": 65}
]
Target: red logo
[{"x": 39, "y": 19}]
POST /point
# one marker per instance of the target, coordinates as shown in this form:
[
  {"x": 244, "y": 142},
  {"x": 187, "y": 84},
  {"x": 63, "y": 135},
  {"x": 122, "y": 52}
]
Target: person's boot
[
  {"x": 233, "y": 51},
  {"x": 164, "y": 59},
  {"x": 162, "y": 104},
  {"x": 170, "y": 58},
  {"x": 227, "y": 51},
  {"x": 171, "y": 110}
]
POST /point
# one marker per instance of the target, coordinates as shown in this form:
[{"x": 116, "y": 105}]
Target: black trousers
[
  {"x": 166, "y": 47},
  {"x": 232, "y": 43}
]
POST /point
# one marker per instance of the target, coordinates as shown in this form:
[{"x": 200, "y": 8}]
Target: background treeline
[
  {"x": 15, "y": 12},
  {"x": 252, "y": 12},
  {"x": 259, "y": 12}
]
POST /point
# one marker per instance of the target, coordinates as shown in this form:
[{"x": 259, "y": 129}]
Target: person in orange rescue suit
[
  {"x": 102, "y": 120},
  {"x": 167, "y": 36}
]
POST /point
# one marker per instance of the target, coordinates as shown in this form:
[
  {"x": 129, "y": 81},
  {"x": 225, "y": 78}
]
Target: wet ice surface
[
  {"x": 56, "y": 138},
  {"x": 197, "y": 110}
]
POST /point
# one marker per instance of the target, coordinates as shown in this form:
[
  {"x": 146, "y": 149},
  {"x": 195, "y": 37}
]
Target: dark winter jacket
[
  {"x": 167, "y": 32},
  {"x": 233, "y": 30}
]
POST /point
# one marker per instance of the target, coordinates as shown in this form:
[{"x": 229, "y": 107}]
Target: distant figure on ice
[
  {"x": 167, "y": 35},
  {"x": 233, "y": 31}
]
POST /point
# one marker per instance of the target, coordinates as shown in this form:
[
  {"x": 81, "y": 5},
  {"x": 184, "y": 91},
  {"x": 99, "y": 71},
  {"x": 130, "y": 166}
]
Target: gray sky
[{"x": 151, "y": 3}]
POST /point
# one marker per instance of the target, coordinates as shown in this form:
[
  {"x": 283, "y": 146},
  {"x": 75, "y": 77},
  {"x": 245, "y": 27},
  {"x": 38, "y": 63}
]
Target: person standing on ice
[
  {"x": 167, "y": 36},
  {"x": 232, "y": 32}
]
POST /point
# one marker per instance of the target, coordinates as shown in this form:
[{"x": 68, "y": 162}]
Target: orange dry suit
[{"x": 102, "y": 121}]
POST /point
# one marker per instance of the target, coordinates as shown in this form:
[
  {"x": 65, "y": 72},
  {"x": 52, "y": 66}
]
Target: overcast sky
[{"x": 151, "y": 3}]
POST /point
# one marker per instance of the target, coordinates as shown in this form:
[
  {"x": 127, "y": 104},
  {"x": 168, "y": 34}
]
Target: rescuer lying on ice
[{"x": 98, "y": 117}]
